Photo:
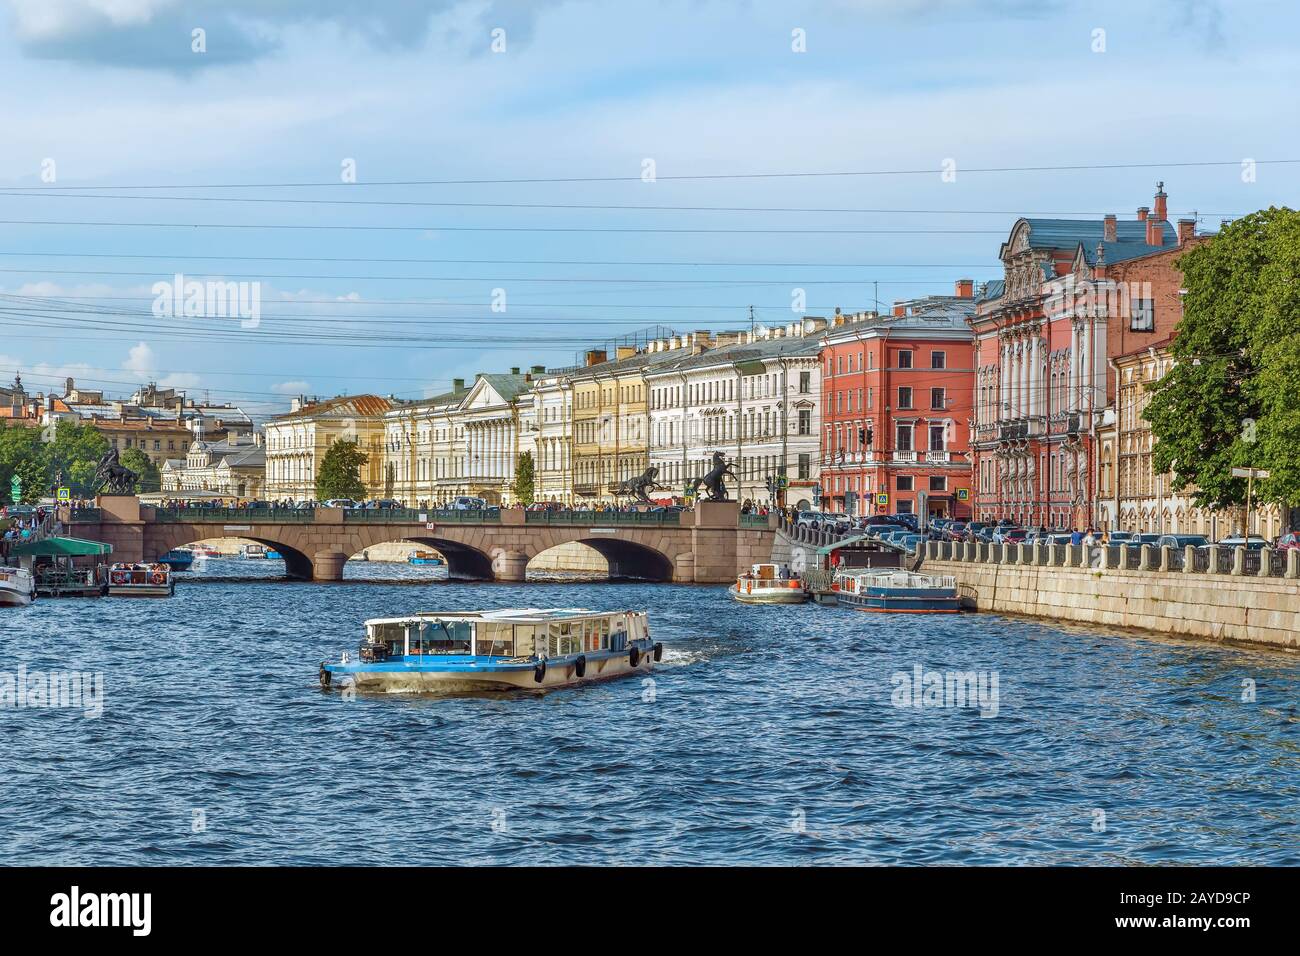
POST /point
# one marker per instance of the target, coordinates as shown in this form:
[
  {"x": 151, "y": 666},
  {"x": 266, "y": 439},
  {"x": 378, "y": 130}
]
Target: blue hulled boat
[
  {"x": 178, "y": 559},
  {"x": 471, "y": 651},
  {"x": 897, "y": 591}
]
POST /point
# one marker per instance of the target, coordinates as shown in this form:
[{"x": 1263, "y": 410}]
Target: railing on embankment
[{"x": 1226, "y": 594}]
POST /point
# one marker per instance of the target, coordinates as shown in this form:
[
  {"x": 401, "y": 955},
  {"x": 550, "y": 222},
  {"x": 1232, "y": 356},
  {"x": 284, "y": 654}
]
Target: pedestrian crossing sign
[
  {"x": 963, "y": 494},
  {"x": 65, "y": 494},
  {"x": 882, "y": 498}
]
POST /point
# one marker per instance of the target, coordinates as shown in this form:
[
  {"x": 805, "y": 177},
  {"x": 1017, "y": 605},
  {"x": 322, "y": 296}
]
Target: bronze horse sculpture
[
  {"x": 712, "y": 480},
  {"x": 114, "y": 478},
  {"x": 639, "y": 486}
]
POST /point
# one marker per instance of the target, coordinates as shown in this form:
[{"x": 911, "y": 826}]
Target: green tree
[
  {"x": 139, "y": 462},
  {"x": 340, "y": 472},
  {"x": 75, "y": 449},
  {"x": 23, "y": 454},
  {"x": 523, "y": 483},
  {"x": 1233, "y": 397}
]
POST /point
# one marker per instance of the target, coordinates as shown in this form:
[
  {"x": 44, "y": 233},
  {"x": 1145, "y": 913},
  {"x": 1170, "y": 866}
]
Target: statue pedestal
[
  {"x": 717, "y": 514},
  {"x": 119, "y": 508}
]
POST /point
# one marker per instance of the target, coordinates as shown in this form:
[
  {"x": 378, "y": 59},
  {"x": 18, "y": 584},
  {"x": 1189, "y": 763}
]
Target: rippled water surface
[{"x": 768, "y": 735}]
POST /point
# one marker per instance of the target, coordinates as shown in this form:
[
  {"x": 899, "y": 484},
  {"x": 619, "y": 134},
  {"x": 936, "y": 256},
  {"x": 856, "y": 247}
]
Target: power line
[{"x": 703, "y": 177}]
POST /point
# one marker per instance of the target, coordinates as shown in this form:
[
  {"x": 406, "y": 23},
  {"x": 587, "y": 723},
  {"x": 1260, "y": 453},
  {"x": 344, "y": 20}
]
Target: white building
[{"x": 755, "y": 400}]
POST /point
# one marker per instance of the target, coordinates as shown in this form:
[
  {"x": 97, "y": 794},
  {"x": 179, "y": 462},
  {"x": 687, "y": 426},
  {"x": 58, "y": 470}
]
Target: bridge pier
[
  {"x": 509, "y": 565},
  {"x": 328, "y": 565}
]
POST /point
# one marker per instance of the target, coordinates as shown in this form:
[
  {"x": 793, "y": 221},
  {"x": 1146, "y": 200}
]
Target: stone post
[
  {"x": 1144, "y": 561},
  {"x": 1189, "y": 559},
  {"x": 1051, "y": 555},
  {"x": 1293, "y": 563},
  {"x": 1238, "y": 560},
  {"x": 1165, "y": 554},
  {"x": 1265, "y": 562}
]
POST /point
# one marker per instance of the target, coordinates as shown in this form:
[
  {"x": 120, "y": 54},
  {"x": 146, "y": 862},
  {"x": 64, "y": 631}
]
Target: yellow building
[
  {"x": 610, "y": 422},
  {"x": 297, "y": 441}
]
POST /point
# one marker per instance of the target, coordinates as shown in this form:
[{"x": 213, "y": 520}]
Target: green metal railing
[
  {"x": 672, "y": 518},
  {"x": 243, "y": 515},
  {"x": 86, "y": 515},
  {"x": 753, "y": 521},
  {"x": 454, "y": 516}
]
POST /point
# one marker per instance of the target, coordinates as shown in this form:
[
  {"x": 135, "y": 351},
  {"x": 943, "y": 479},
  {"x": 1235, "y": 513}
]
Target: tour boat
[
  {"x": 178, "y": 559},
  {"x": 897, "y": 591},
  {"x": 204, "y": 551},
  {"x": 769, "y": 584},
  {"x": 139, "y": 580},
  {"x": 423, "y": 557},
  {"x": 257, "y": 551},
  {"x": 516, "y": 649},
  {"x": 17, "y": 589}
]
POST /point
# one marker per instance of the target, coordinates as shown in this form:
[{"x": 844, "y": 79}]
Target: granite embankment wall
[{"x": 1231, "y": 608}]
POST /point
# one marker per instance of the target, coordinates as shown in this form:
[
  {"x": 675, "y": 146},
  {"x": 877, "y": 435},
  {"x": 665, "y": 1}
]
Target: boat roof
[{"x": 529, "y": 615}]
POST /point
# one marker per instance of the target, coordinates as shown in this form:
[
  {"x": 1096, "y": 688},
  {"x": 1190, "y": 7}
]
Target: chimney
[
  {"x": 458, "y": 385},
  {"x": 701, "y": 339},
  {"x": 900, "y": 309},
  {"x": 1160, "y": 213},
  {"x": 674, "y": 343},
  {"x": 1155, "y": 232},
  {"x": 1110, "y": 228},
  {"x": 69, "y": 386},
  {"x": 624, "y": 352},
  {"x": 538, "y": 369},
  {"x": 1186, "y": 230},
  {"x": 1142, "y": 213},
  {"x": 595, "y": 357},
  {"x": 965, "y": 289}
]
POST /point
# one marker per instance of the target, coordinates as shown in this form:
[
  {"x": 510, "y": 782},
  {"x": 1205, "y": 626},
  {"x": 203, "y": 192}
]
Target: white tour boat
[
  {"x": 139, "y": 580},
  {"x": 518, "y": 649},
  {"x": 17, "y": 587},
  {"x": 897, "y": 591},
  {"x": 769, "y": 584}
]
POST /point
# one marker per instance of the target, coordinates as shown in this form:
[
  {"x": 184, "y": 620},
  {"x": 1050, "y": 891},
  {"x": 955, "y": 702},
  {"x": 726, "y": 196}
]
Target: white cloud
[
  {"x": 296, "y": 387},
  {"x": 140, "y": 360}
]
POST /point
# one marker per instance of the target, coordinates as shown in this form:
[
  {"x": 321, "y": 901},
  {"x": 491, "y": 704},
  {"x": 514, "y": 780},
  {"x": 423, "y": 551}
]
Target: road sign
[
  {"x": 65, "y": 494},
  {"x": 963, "y": 494},
  {"x": 1249, "y": 473},
  {"x": 16, "y": 489},
  {"x": 882, "y": 498}
]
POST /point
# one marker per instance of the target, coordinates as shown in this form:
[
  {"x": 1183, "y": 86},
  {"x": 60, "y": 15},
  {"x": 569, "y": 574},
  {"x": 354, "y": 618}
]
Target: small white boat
[
  {"x": 139, "y": 580},
  {"x": 897, "y": 591},
  {"x": 769, "y": 584},
  {"x": 474, "y": 651},
  {"x": 17, "y": 587}
]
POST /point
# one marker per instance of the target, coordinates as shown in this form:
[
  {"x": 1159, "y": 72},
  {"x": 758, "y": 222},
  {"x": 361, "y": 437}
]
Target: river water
[{"x": 767, "y": 736}]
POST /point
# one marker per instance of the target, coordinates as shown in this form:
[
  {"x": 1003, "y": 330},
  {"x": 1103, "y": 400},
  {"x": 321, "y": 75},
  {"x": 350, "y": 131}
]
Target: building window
[
  {"x": 938, "y": 360},
  {"x": 805, "y": 421},
  {"x": 805, "y": 467},
  {"x": 939, "y": 398},
  {"x": 938, "y": 483},
  {"x": 904, "y": 358},
  {"x": 905, "y": 482},
  {"x": 937, "y": 437},
  {"x": 805, "y": 383},
  {"x": 903, "y": 436},
  {"x": 905, "y": 396},
  {"x": 1143, "y": 315}
]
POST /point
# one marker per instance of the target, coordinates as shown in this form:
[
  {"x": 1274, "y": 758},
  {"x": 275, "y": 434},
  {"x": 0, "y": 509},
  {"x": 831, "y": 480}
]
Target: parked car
[
  {"x": 1288, "y": 541},
  {"x": 1251, "y": 542},
  {"x": 466, "y": 503},
  {"x": 1137, "y": 540},
  {"x": 340, "y": 503},
  {"x": 1182, "y": 541},
  {"x": 1007, "y": 534},
  {"x": 1119, "y": 537}
]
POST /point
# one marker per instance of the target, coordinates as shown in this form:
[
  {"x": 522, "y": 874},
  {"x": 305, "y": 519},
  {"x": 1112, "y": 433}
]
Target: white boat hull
[
  {"x": 786, "y": 595},
  {"x": 461, "y": 682}
]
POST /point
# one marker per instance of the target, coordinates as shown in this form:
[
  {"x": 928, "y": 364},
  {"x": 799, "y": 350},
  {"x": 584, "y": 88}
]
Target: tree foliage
[
  {"x": 150, "y": 478},
  {"x": 340, "y": 472},
  {"x": 523, "y": 487},
  {"x": 1233, "y": 397}
]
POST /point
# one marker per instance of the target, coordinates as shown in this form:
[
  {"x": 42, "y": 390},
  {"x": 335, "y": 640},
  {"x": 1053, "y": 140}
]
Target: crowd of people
[{"x": 20, "y": 525}]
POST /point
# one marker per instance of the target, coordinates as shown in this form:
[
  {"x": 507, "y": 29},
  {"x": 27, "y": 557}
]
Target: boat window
[
  {"x": 494, "y": 640},
  {"x": 564, "y": 638},
  {"x": 528, "y": 641},
  {"x": 604, "y": 633},
  {"x": 392, "y": 634},
  {"x": 442, "y": 637}
]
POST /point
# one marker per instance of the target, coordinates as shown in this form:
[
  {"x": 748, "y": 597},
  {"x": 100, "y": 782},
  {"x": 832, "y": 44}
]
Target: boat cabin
[{"x": 508, "y": 634}]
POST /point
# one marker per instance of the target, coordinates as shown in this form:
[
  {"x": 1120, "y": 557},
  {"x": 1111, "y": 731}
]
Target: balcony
[
  {"x": 904, "y": 456},
  {"x": 939, "y": 457}
]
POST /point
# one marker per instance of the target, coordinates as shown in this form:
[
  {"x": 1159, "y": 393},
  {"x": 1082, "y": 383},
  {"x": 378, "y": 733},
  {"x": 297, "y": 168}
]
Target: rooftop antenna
[{"x": 751, "y": 322}]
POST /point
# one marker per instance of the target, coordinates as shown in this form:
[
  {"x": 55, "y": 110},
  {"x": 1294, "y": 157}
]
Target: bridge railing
[
  {"x": 245, "y": 515},
  {"x": 672, "y": 518},
  {"x": 467, "y": 516},
  {"x": 421, "y": 515},
  {"x": 85, "y": 516}
]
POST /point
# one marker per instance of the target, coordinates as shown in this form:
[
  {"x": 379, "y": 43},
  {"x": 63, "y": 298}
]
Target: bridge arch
[
  {"x": 297, "y": 563},
  {"x": 464, "y": 563},
  {"x": 630, "y": 560}
]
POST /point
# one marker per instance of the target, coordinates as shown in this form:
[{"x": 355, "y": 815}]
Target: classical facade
[
  {"x": 552, "y": 397},
  {"x": 232, "y": 467},
  {"x": 1074, "y": 294},
  {"x": 424, "y": 447},
  {"x": 754, "y": 396},
  {"x": 297, "y": 441},
  {"x": 896, "y": 408}
]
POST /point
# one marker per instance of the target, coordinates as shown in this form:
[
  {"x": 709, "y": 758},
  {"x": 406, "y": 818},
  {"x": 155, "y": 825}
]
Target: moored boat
[
  {"x": 139, "y": 580},
  {"x": 423, "y": 557},
  {"x": 897, "y": 591},
  {"x": 769, "y": 584},
  {"x": 517, "y": 649},
  {"x": 17, "y": 588},
  {"x": 257, "y": 551},
  {"x": 178, "y": 559}
]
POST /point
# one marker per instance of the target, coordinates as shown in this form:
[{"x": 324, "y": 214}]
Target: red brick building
[
  {"x": 896, "y": 408},
  {"x": 1076, "y": 294}
]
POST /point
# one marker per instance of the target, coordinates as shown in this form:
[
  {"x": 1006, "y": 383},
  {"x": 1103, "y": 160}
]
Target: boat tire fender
[
  {"x": 659, "y": 651},
  {"x": 580, "y": 666},
  {"x": 324, "y": 676},
  {"x": 633, "y": 656},
  {"x": 539, "y": 672}
]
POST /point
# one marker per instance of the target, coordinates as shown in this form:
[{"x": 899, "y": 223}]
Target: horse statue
[
  {"x": 114, "y": 478},
  {"x": 638, "y": 486},
  {"x": 712, "y": 481}
]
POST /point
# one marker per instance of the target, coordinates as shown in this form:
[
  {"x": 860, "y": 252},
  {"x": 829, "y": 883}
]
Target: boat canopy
[{"x": 56, "y": 547}]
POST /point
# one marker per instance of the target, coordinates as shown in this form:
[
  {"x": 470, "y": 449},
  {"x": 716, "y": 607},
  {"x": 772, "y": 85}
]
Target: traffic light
[{"x": 865, "y": 436}]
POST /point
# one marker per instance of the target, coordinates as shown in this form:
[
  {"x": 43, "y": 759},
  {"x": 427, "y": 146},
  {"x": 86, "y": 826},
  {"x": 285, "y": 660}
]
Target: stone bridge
[{"x": 709, "y": 545}]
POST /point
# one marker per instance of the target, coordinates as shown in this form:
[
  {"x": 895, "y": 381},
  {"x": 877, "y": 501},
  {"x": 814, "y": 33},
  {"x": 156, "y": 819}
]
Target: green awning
[{"x": 61, "y": 548}]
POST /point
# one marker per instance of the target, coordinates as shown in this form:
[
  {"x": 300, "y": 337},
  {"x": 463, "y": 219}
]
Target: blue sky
[{"x": 286, "y": 92}]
